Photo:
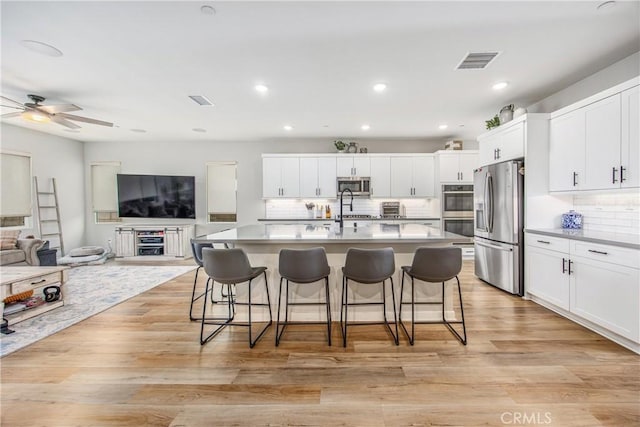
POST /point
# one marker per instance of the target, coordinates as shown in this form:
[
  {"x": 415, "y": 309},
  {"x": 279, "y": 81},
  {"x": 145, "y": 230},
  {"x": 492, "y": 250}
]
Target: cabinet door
[
  {"x": 468, "y": 162},
  {"x": 488, "y": 147},
  {"x": 630, "y": 147},
  {"x": 602, "y": 144},
  {"x": 172, "y": 242},
  {"x": 290, "y": 176},
  {"x": 544, "y": 275},
  {"x": 511, "y": 143},
  {"x": 309, "y": 177},
  {"x": 125, "y": 243},
  {"x": 271, "y": 177},
  {"x": 449, "y": 167},
  {"x": 401, "y": 177},
  {"x": 423, "y": 176},
  {"x": 327, "y": 186},
  {"x": 344, "y": 166},
  {"x": 380, "y": 177},
  {"x": 606, "y": 294},
  {"x": 361, "y": 166},
  {"x": 566, "y": 152}
]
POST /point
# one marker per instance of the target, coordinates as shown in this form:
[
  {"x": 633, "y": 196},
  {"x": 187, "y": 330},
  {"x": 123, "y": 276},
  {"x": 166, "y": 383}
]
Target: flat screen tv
[{"x": 156, "y": 196}]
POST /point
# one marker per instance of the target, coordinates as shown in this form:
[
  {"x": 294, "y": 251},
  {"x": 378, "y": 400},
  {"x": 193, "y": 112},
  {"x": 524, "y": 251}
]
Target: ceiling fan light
[{"x": 35, "y": 116}]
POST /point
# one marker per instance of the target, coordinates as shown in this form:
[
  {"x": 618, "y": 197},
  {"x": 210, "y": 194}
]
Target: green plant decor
[
  {"x": 340, "y": 146},
  {"x": 493, "y": 123}
]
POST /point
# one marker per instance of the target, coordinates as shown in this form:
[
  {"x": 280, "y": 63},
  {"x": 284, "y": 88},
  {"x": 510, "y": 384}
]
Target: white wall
[
  {"x": 189, "y": 158},
  {"x": 614, "y": 74},
  {"x": 60, "y": 158}
]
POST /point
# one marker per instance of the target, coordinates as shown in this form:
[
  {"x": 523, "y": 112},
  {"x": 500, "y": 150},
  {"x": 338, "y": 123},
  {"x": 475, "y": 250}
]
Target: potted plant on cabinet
[{"x": 340, "y": 146}]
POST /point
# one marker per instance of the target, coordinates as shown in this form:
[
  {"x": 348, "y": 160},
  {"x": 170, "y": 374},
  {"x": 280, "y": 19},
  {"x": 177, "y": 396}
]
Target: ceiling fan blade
[
  {"x": 61, "y": 108},
  {"x": 10, "y": 115},
  {"x": 4, "y": 98},
  {"x": 11, "y": 106},
  {"x": 84, "y": 119},
  {"x": 64, "y": 122}
]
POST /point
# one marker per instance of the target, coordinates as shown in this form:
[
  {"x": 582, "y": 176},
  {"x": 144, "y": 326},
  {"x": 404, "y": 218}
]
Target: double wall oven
[{"x": 457, "y": 209}]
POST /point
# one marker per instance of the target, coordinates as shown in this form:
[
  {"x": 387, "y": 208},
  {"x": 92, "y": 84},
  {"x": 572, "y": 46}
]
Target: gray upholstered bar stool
[
  {"x": 231, "y": 267},
  {"x": 368, "y": 266},
  {"x": 434, "y": 265},
  {"x": 302, "y": 266}
]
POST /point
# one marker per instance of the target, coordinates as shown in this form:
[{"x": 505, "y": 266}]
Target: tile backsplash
[
  {"x": 292, "y": 208},
  {"x": 617, "y": 212}
]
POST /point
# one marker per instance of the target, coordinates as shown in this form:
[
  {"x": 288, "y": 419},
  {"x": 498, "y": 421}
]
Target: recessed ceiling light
[
  {"x": 42, "y": 48},
  {"x": 287, "y": 127},
  {"x": 443, "y": 127},
  {"x": 199, "y": 130},
  {"x": 261, "y": 88},
  {"x": 138, "y": 130},
  {"x": 606, "y": 5},
  {"x": 365, "y": 127},
  {"x": 379, "y": 87},
  {"x": 207, "y": 10},
  {"x": 500, "y": 85}
]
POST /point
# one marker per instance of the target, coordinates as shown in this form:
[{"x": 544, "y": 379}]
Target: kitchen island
[{"x": 263, "y": 242}]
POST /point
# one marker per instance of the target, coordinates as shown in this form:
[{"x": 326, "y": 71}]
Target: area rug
[{"x": 89, "y": 290}]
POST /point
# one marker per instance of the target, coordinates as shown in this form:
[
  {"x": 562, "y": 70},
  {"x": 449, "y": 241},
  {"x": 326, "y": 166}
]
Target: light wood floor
[{"x": 140, "y": 364}]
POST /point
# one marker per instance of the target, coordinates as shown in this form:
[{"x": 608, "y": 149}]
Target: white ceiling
[{"x": 135, "y": 63}]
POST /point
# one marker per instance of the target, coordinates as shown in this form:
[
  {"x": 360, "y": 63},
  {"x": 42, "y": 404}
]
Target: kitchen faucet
[{"x": 341, "y": 204}]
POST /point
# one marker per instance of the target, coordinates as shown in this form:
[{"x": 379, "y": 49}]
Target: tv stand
[{"x": 154, "y": 241}]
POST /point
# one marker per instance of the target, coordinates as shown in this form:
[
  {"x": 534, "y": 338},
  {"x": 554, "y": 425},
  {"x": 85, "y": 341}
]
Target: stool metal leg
[
  {"x": 345, "y": 305},
  {"x": 328, "y": 304},
  {"x": 252, "y": 343},
  {"x": 448, "y": 323},
  {"x": 212, "y": 320}
]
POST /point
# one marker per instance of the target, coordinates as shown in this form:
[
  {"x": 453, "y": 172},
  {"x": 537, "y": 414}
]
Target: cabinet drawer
[
  {"x": 36, "y": 282},
  {"x": 547, "y": 242},
  {"x": 606, "y": 253}
]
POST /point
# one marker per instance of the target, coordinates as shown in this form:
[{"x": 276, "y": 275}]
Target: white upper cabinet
[
  {"x": 318, "y": 177},
  {"x": 280, "y": 177},
  {"x": 504, "y": 143},
  {"x": 602, "y": 144},
  {"x": 566, "y": 152},
  {"x": 457, "y": 167},
  {"x": 380, "y": 176},
  {"x": 412, "y": 176},
  {"x": 353, "y": 165},
  {"x": 594, "y": 142},
  {"x": 630, "y": 147}
]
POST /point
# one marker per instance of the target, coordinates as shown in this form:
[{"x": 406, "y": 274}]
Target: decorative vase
[
  {"x": 506, "y": 114},
  {"x": 352, "y": 147},
  {"x": 572, "y": 220}
]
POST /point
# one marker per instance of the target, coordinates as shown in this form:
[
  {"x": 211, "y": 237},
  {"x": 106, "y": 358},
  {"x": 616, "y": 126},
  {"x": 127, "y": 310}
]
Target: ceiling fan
[{"x": 37, "y": 112}]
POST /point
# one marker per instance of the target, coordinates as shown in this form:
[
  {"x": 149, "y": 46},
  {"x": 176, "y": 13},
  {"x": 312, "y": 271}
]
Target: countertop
[
  {"x": 304, "y": 233},
  {"x": 615, "y": 239}
]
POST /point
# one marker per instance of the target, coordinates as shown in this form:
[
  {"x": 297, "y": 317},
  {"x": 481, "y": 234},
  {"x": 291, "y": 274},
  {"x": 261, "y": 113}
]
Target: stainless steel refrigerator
[{"x": 498, "y": 222}]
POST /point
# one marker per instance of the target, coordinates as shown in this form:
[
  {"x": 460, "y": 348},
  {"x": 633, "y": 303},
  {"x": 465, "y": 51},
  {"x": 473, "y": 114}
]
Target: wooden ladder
[{"x": 49, "y": 216}]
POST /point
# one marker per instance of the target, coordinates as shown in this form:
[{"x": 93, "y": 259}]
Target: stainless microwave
[{"x": 359, "y": 186}]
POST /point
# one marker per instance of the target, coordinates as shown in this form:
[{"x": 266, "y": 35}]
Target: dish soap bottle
[{"x": 328, "y": 212}]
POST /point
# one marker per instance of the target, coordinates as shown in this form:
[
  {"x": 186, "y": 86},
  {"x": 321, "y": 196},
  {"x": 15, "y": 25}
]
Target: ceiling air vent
[
  {"x": 200, "y": 100},
  {"x": 476, "y": 60}
]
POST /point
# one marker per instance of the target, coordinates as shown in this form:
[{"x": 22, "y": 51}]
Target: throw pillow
[{"x": 8, "y": 239}]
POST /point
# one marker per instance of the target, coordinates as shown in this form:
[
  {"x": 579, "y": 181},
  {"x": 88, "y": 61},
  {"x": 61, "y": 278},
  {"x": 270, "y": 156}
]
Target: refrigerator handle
[
  {"x": 486, "y": 203},
  {"x": 490, "y": 203}
]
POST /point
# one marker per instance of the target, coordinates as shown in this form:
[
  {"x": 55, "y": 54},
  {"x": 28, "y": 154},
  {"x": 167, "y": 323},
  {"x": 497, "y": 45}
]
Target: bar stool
[
  {"x": 302, "y": 266},
  {"x": 196, "y": 248},
  {"x": 368, "y": 266},
  {"x": 231, "y": 267},
  {"x": 433, "y": 265}
]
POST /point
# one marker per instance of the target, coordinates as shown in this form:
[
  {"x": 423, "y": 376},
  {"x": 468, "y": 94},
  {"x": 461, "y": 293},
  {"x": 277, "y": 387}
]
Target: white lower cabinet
[{"x": 587, "y": 281}]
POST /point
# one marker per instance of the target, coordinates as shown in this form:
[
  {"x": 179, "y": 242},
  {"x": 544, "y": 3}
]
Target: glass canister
[{"x": 572, "y": 220}]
